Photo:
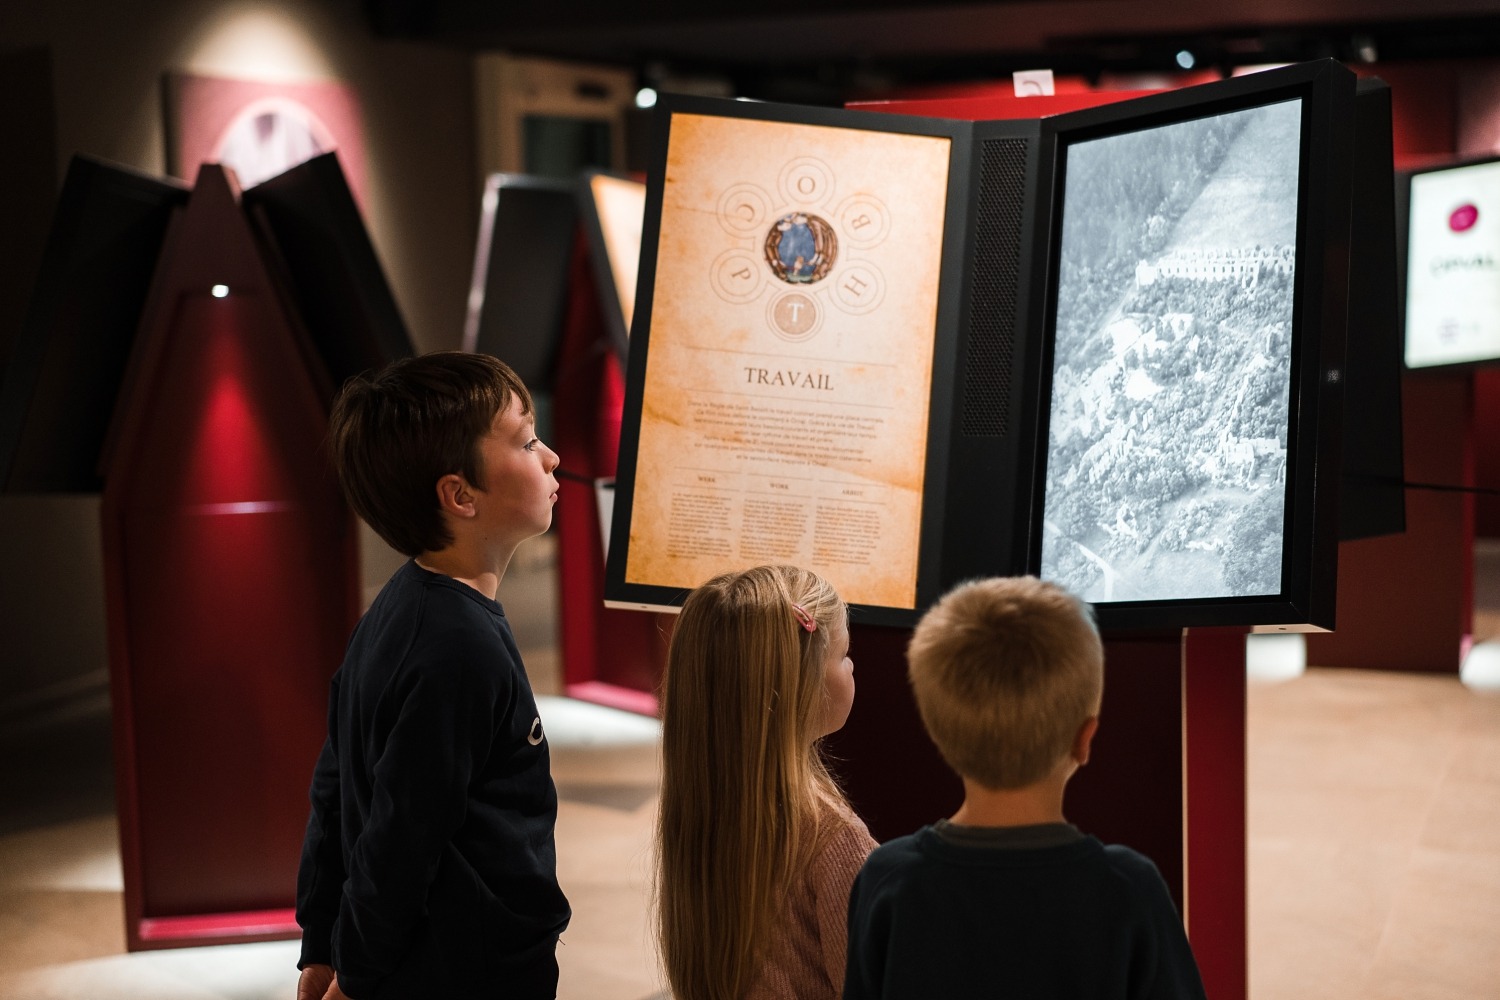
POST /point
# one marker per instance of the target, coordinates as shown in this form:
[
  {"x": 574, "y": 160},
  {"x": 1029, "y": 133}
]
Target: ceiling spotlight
[
  {"x": 220, "y": 291},
  {"x": 1185, "y": 59},
  {"x": 1364, "y": 47},
  {"x": 645, "y": 98}
]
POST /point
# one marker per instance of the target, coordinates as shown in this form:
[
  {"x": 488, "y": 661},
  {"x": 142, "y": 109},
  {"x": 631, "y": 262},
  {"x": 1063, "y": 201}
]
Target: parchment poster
[{"x": 785, "y": 408}]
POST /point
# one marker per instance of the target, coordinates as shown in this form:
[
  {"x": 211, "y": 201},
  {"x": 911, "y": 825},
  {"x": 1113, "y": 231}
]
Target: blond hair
[
  {"x": 744, "y": 788},
  {"x": 1005, "y": 671}
]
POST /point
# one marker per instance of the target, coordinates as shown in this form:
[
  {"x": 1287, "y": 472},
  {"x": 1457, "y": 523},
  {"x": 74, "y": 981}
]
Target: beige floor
[{"x": 1374, "y": 803}]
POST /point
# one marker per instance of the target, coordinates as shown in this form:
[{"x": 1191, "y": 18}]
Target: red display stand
[
  {"x": 231, "y": 585},
  {"x": 610, "y": 656}
]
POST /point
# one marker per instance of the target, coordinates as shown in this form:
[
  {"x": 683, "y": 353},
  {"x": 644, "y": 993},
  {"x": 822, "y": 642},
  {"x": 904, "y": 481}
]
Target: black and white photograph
[{"x": 1167, "y": 441}]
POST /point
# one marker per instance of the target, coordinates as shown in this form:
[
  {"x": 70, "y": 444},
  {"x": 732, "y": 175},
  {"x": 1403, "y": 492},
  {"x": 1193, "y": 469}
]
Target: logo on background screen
[{"x": 1463, "y": 218}]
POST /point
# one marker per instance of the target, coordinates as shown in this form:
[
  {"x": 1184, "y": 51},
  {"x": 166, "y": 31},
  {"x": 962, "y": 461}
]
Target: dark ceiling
[{"x": 831, "y": 50}]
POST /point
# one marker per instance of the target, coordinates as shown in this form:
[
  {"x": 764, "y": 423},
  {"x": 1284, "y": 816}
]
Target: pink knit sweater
[{"x": 806, "y": 958}]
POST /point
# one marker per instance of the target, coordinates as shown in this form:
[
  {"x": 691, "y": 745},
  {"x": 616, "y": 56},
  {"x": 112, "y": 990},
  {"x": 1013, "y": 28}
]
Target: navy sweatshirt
[
  {"x": 429, "y": 866},
  {"x": 942, "y": 916}
]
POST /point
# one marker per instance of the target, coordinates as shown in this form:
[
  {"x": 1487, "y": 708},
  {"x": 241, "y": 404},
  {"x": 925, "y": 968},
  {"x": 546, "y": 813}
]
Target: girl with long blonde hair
[{"x": 756, "y": 845}]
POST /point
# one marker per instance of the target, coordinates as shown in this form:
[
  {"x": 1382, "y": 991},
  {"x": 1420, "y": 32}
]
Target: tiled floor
[
  {"x": 61, "y": 888},
  {"x": 1374, "y": 844}
]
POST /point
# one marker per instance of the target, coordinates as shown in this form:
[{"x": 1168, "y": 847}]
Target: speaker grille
[{"x": 994, "y": 280}]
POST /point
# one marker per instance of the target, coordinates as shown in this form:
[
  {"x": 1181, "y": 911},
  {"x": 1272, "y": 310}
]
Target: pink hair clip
[{"x": 808, "y": 621}]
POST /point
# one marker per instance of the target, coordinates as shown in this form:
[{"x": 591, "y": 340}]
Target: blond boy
[{"x": 1007, "y": 898}]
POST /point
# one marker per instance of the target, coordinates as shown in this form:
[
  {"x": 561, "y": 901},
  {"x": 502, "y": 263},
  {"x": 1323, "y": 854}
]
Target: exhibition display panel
[
  {"x": 552, "y": 294},
  {"x": 63, "y": 375},
  {"x": 181, "y": 353},
  {"x": 519, "y": 291},
  {"x": 612, "y": 209},
  {"x": 1196, "y": 330},
  {"x": 1104, "y": 347},
  {"x": 231, "y": 576},
  {"x": 317, "y": 246}
]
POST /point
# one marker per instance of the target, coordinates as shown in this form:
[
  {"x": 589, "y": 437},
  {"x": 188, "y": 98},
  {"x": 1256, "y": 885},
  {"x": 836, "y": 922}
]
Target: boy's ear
[
  {"x": 1083, "y": 742},
  {"x": 455, "y": 496}
]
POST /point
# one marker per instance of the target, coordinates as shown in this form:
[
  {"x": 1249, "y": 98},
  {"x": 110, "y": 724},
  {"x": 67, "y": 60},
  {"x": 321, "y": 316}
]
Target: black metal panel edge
[
  {"x": 308, "y": 216},
  {"x": 991, "y": 450},
  {"x": 69, "y": 359},
  {"x": 516, "y": 313},
  {"x": 1372, "y": 500}
]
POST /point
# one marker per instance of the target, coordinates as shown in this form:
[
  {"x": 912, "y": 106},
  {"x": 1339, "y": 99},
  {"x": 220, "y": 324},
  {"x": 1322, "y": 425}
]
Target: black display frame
[
  {"x": 517, "y": 313},
  {"x": 1372, "y": 492},
  {"x": 1306, "y": 600},
  {"x": 983, "y": 492},
  {"x": 947, "y": 340}
]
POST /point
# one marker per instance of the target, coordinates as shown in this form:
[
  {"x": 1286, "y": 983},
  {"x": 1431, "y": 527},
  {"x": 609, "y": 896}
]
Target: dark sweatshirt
[
  {"x": 429, "y": 866},
  {"x": 1035, "y": 912}
]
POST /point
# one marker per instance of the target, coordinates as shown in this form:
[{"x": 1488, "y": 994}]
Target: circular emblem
[
  {"x": 794, "y": 316},
  {"x": 801, "y": 248},
  {"x": 1463, "y": 218},
  {"x": 535, "y": 736}
]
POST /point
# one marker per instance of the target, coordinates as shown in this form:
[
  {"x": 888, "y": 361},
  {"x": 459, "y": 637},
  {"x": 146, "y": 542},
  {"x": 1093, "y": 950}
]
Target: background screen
[{"x": 1453, "y": 266}]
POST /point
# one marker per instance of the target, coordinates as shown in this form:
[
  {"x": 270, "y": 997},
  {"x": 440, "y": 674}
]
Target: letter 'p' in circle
[
  {"x": 794, "y": 316},
  {"x": 737, "y": 276}
]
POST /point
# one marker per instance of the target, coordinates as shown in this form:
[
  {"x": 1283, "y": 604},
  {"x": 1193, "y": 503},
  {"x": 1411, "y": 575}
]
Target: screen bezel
[{"x": 1309, "y": 548}]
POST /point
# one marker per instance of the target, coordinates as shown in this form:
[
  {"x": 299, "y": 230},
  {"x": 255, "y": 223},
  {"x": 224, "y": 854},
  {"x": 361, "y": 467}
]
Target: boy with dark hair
[
  {"x": 429, "y": 866},
  {"x": 1007, "y": 898}
]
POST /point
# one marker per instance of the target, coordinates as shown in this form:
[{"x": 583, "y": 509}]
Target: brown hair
[
  {"x": 1004, "y": 672},
  {"x": 395, "y": 433},
  {"x": 744, "y": 788}
]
